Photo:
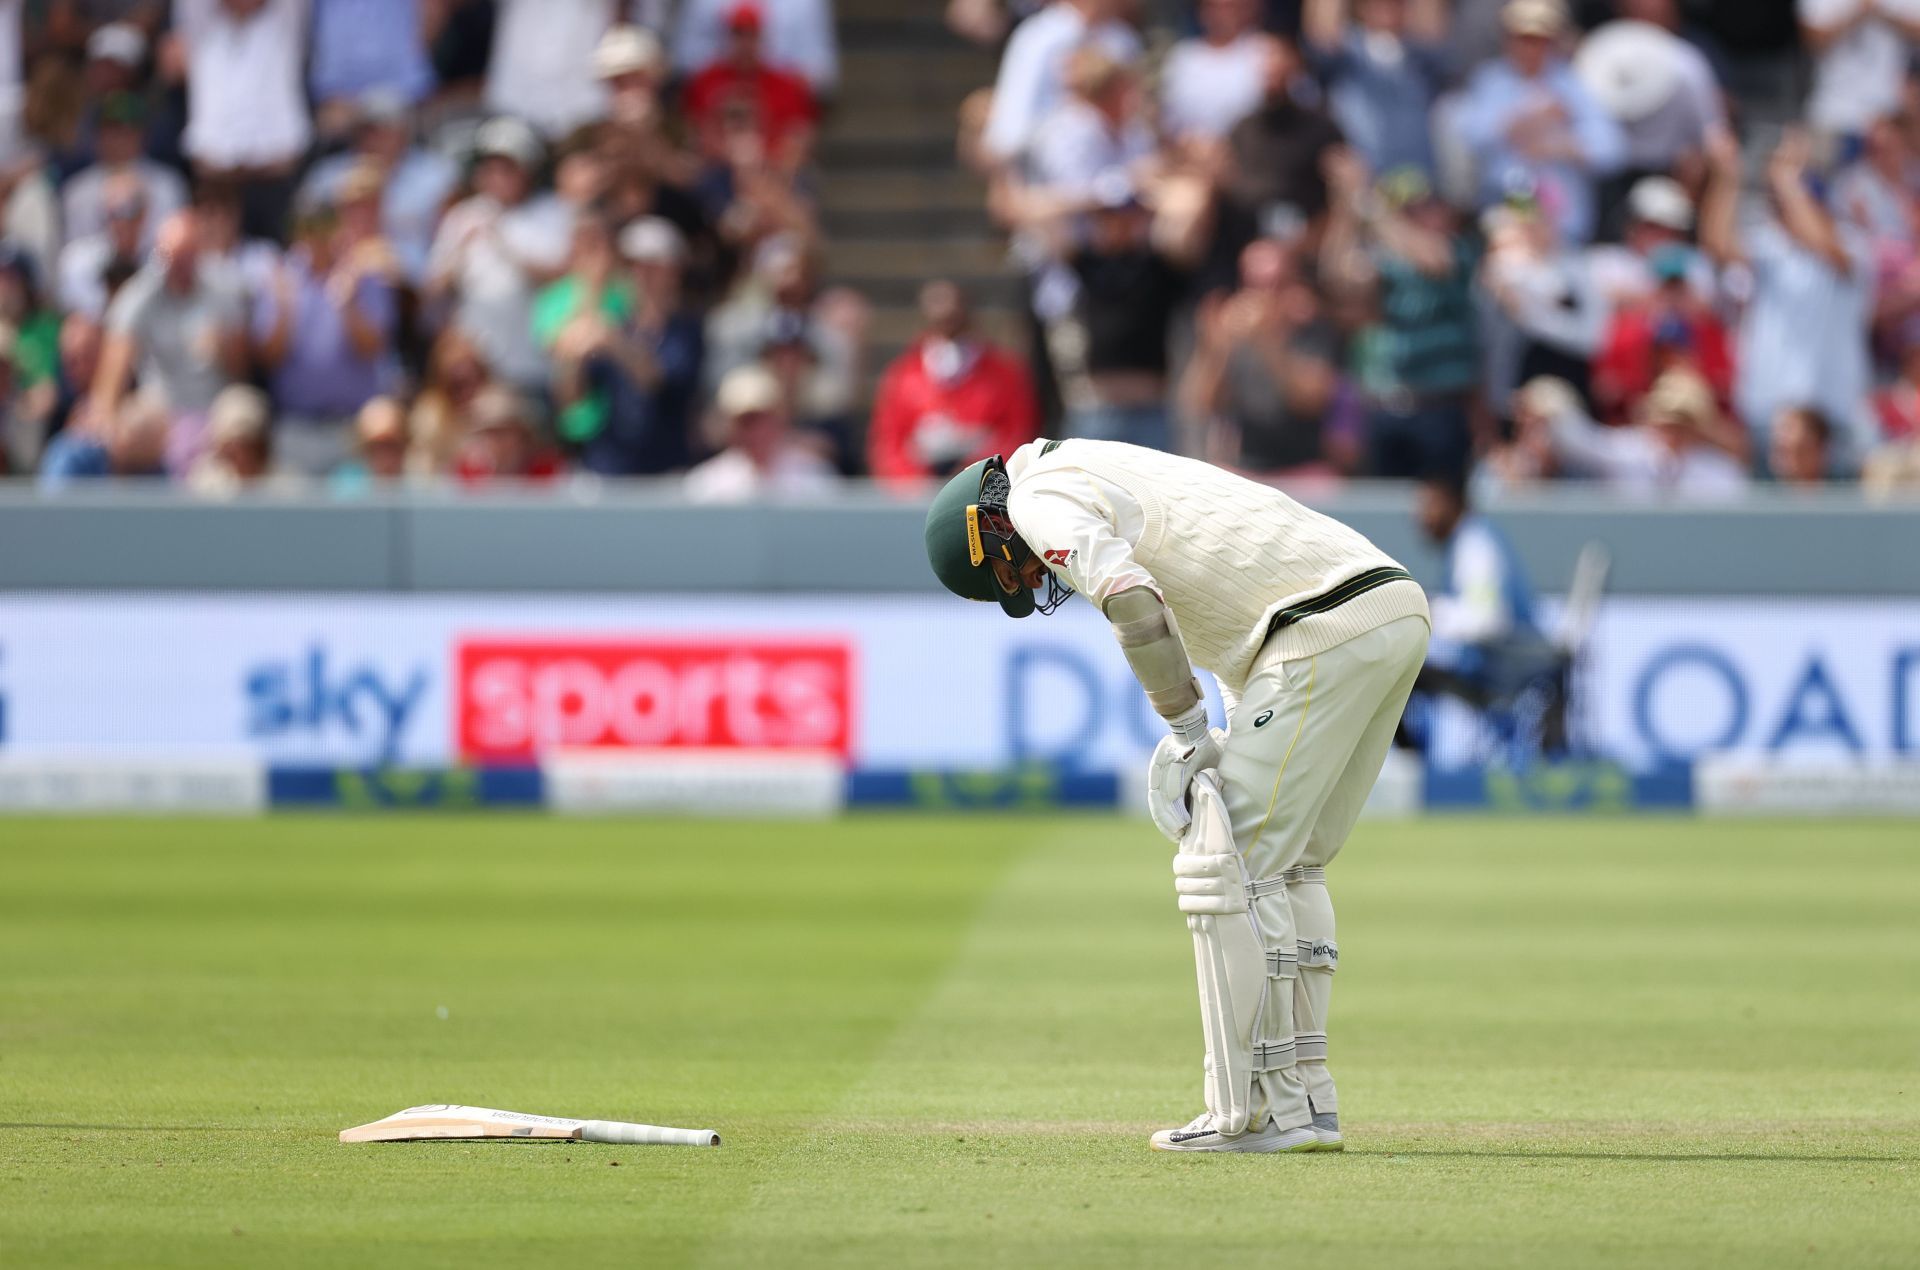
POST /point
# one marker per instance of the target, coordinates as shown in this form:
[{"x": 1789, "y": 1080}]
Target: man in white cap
[
  {"x": 762, "y": 458},
  {"x": 1534, "y": 128},
  {"x": 1659, "y": 223},
  {"x": 496, "y": 249},
  {"x": 632, "y": 63}
]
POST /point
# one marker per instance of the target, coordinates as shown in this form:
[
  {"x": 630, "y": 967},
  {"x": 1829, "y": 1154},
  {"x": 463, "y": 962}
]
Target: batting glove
[{"x": 1176, "y": 761}]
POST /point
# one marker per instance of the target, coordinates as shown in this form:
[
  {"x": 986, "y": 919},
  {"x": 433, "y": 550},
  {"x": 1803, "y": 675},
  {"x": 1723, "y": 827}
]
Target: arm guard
[{"x": 1159, "y": 659}]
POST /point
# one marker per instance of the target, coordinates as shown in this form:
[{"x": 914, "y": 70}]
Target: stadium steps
[{"x": 896, "y": 205}]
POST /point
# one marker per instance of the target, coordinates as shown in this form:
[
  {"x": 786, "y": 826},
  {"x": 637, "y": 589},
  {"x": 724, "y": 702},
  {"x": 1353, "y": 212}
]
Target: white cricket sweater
[{"x": 1225, "y": 553}]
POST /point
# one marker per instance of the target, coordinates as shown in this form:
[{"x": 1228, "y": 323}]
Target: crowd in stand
[
  {"x": 1663, "y": 245},
  {"x": 332, "y": 244}
]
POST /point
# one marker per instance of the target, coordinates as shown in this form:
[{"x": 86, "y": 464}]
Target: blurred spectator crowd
[
  {"x": 1669, "y": 246},
  {"x": 331, "y": 244},
  {"x": 1663, "y": 245}
]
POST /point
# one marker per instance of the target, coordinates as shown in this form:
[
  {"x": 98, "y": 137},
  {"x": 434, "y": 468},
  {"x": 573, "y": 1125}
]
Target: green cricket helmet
[{"x": 968, "y": 527}]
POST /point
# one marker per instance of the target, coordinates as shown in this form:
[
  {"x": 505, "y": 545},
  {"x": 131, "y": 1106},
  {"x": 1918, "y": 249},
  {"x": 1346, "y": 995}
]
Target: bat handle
[{"x": 646, "y": 1135}]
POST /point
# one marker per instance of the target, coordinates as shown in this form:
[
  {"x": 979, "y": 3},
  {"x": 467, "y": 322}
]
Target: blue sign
[
  {"x": 1032, "y": 788},
  {"x": 405, "y": 789},
  {"x": 1595, "y": 787}
]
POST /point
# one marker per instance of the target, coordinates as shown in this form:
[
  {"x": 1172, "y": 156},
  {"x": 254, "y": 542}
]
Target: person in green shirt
[{"x": 594, "y": 285}]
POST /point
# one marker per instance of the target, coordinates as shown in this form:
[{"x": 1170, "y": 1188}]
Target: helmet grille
[{"x": 994, "y": 487}]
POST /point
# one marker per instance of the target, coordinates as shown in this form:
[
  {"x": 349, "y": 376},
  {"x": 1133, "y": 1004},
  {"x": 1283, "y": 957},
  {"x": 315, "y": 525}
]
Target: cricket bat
[{"x": 443, "y": 1120}]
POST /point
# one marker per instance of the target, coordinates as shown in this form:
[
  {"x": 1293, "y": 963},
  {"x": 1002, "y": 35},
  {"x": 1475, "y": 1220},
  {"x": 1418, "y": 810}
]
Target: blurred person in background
[
  {"x": 1532, "y": 125},
  {"x": 1879, "y": 192},
  {"x": 119, "y": 160},
  {"x": 1801, "y": 447},
  {"x": 81, "y": 339},
  {"x": 1679, "y": 445},
  {"x": 180, "y": 331},
  {"x": 325, "y": 337},
  {"x": 456, "y": 374},
  {"x": 1803, "y": 336},
  {"x": 362, "y": 47},
  {"x": 628, "y": 386},
  {"x": 1399, "y": 250},
  {"x": 740, "y": 89},
  {"x": 239, "y": 455},
  {"x": 380, "y": 443},
  {"x": 130, "y": 443},
  {"x": 1542, "y": 312},
  {"x": 1486, "y": 640},
  {"x": 1097, "y": 134},
  {"x": 1860, "y": 50},
  {"x": 1666, "y": 329},
  {"x": 247, "y": 120},
  {"x": 1263, "y": 372},
  {"x": 1658, "y": 86},
  {"x": 503, "y": 442},
  {"x": 21, "y": 437},
  {"x": 94, "y": 266},
  {"x": 415, "y": 182},
  {"x": 782, "y": 290},
  {"x": 496, "y": 249},
  {"x": 950, "y": 399},
  {"x": 632, "y": 63},
  {"x": 1383, "y": 73},
  {"x": 1032, "y": 79},
  {"x": 1131, "y": 269},
  {"x": 242, "y": 265},
  {"x": 799, "y": 37},
  {"x": 593, "y": 290},
  {"x": 1213, "y": 80},
  {"x": 35, "y": 322},
  {"x": 1659, "y": 218},
  {"x": 1275, "y": 185},
  {"x": 115, "y": 67},
  {"x": 1095, "y": 142},
  {"x": 760, "y": 458},
  {"x": 1896, "y": 405},
  {"x": 540, "y": 68}
]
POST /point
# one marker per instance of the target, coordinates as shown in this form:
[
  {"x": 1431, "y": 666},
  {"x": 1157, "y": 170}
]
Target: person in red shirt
[
  {"x": 1670, "y": 329},
  {"x": 741, "y": 91},
  {"x": 949, "y": 400}
]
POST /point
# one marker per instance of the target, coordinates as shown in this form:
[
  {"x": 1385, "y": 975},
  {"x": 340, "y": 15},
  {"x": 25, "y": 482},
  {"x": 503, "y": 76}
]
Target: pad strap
[
  {"x": 1282, "y": 965},
  {"x": 1310, "y": 1047},
  {"x": 1305, "y": 873},
  {"x": 1268, "y": 886},
  {"x": 1274, "y": 1056}
]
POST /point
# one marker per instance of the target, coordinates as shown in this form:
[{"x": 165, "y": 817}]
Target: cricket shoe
[
  {"x": 1326, "y": 1128},
  {"x": 1200, "y": 1136}
]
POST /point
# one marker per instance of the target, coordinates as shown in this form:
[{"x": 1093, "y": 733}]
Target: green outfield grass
[{"x": 943, "y": 1042}]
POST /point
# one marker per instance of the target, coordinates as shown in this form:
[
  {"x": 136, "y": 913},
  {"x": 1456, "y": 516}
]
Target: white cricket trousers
[{"x": 1304, "y": 748}]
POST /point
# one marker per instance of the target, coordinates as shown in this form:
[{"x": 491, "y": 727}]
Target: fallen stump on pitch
[{"x": 444, "y": 1120}]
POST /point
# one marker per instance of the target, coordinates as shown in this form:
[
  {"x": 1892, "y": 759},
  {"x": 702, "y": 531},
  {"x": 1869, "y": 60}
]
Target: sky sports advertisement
[{"x": 884, "y": 683}]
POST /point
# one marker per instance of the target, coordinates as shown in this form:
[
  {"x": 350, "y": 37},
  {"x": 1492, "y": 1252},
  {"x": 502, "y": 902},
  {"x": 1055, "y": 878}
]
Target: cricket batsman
[{"x": 1315, "y": 637}]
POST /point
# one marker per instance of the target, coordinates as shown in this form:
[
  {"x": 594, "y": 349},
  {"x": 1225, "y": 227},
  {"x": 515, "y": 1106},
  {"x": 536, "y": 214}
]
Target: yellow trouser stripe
[{"x": 1313, "y": 672}]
